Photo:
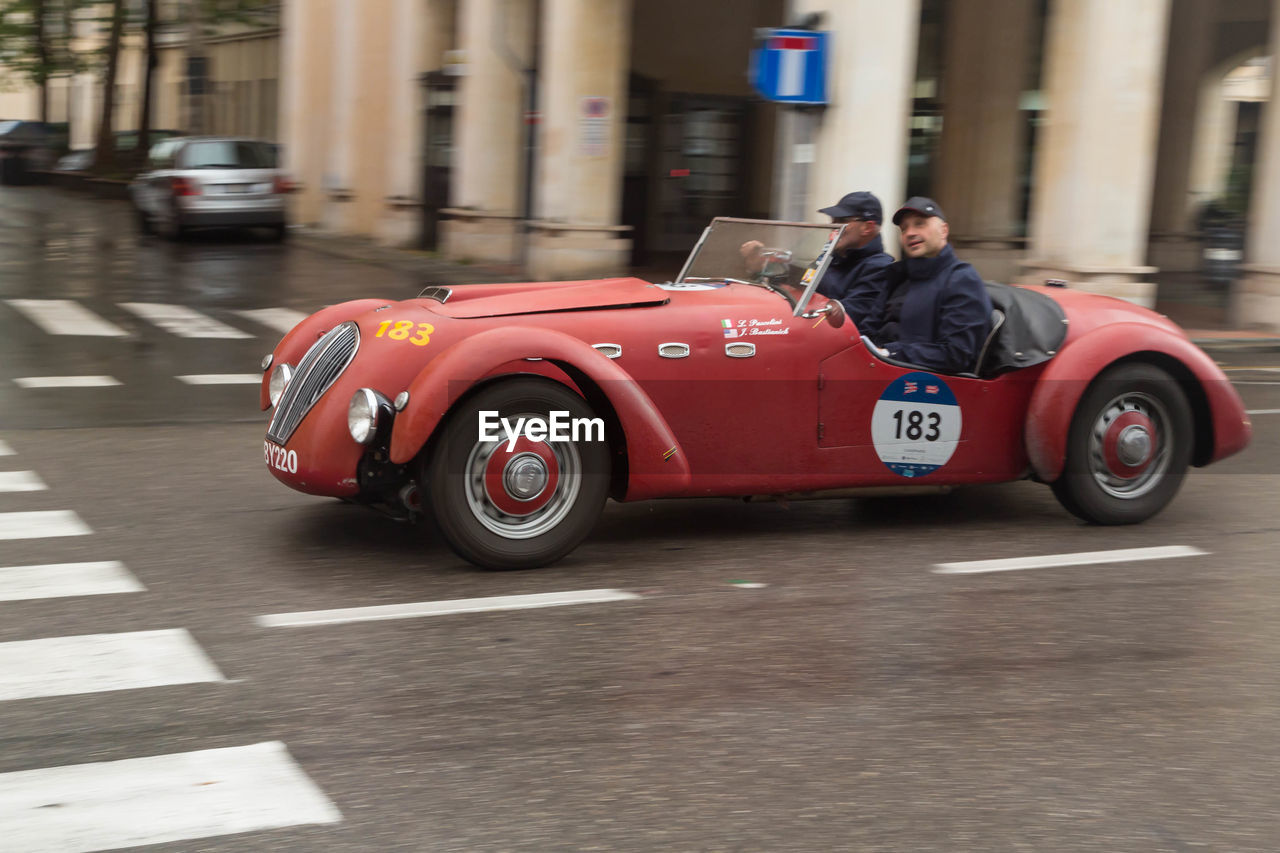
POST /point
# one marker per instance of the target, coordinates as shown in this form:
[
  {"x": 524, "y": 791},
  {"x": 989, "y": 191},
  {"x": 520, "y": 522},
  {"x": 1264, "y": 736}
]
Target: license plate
[
  {"x": 279, "y": 458},
  {"x": 236, "y": 188}
]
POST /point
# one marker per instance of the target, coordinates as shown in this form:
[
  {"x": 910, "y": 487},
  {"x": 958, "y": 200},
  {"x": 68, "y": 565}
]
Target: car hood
[{"x": 504, "y": 300}]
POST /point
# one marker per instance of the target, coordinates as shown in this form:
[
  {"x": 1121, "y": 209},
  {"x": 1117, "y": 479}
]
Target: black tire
[
  {"x": 279, "y": 233},
  {"x": 1128, "y": 448},
  {"x": 145, "y": 226},
  {"x": 475, "y": 493}
]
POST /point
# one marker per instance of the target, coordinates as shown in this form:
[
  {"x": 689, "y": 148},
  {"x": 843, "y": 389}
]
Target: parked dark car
[
  {"x": 126, "y": 143},
  {"x": 26, "y": 147}
]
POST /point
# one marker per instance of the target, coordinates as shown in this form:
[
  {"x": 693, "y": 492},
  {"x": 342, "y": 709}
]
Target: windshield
[
  {"x": 788, "y": 257},
  {"x": 229, "y": 154}
]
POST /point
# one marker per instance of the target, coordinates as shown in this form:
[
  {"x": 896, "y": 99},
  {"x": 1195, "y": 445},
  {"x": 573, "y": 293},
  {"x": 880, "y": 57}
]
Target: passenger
[
  {"x": 854, "y": 274},
  {"x": 934, "y": 311}
]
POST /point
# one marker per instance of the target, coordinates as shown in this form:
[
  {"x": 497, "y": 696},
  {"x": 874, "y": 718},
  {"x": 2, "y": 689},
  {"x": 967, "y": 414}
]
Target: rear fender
[
  {"x": 1222, "y": 428},
  {"x": 294, "y": 345},
  {"x": 656, "y": 465}
]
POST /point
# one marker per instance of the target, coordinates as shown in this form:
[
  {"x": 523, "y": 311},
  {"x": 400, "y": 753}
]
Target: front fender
[
  {"x": 655, "y": 461},
  {"x": 294, "y": 345},
  {"x": 1063, "y": 383}
]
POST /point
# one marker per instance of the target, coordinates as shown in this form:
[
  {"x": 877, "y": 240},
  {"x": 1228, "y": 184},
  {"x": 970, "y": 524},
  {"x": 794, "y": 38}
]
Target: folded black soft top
[{"x": 1033, "y": 329}]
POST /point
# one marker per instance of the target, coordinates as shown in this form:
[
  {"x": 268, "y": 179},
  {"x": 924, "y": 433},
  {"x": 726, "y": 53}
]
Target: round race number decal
[{"x": 916, "y": 424}]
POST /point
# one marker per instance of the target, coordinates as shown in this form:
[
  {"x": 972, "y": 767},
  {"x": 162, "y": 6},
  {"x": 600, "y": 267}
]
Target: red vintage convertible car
[{"x": 510, "y": 412}]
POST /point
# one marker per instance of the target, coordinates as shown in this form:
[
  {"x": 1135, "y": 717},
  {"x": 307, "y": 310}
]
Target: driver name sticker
[
  {"x": 746, "y": 328},
  {"x": 915, "y": 425}
]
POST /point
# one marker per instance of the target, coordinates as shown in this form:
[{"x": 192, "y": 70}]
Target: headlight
[
  {"x": 366, "y": 413},
  {"x": 279, "y": 379}
]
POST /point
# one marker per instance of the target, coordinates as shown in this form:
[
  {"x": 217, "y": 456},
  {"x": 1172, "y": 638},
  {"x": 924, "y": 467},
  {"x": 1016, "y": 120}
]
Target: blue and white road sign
[{"x": 790, "y": 66}]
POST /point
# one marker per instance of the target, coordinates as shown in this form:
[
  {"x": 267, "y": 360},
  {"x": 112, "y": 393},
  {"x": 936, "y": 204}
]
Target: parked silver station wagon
[{"x": 210, "y": 182}]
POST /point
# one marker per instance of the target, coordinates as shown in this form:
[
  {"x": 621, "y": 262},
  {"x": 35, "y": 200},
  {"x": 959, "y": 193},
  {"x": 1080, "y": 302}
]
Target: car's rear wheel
[
  {"x": 145, "y": 225},
  {"x": 1128, "y": 448},
  {"x": 522, "y": 507}
]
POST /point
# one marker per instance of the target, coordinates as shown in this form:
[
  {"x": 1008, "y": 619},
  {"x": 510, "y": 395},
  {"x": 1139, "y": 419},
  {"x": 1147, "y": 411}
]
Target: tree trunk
[
  {"x": 105, "y": 159},
  {"x": 42, "y": 58},
  {"x": 150, "y": 61}
]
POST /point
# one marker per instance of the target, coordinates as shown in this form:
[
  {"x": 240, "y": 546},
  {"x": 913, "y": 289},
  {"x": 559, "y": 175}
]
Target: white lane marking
[
  {"x": 65, "y": 381},
  {"x": 161, "y": 798},
  {"x": 1251, "y": 369},
  {"x": 97, "y": 663},
  {"x": 1263, "y": 412},
  {"x": 21, "y": 481},
  {"x": 62, "y": 580},
  {"x": 65, "y": 317},
  {"x": 1083, "y": 558},
  {"x": 222, "y": 378},
  {"x": 1259, "y": 382},
  {"x": 182, "y": 321},
  {"x": 281, "y": 319},
  {"x": 442, "y": 608},
  {"x": 5, "y": 450},
  {"x": 41, "y": 524}
]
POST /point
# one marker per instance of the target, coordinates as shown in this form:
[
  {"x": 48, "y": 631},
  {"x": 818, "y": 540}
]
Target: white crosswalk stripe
[
  {"x": 65, "y": 317},
  {"x": 65, "y": 381},
  {"x": 21, "y": 481},
  {"x": 97, "y": 663},
  {"x": 41, "y": 524},
  {"x": 62, "y": 580},
  {"x": 281, "y": 319},
  {"x": 222, "y": 379},
  {"x": 182, "y": 321},
  {"x": 162, "y": 798}
]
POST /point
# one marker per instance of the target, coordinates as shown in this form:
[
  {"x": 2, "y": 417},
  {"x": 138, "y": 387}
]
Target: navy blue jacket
[
  {"x": 945, "y": 315},
  {"x": 856, "y": 278}
]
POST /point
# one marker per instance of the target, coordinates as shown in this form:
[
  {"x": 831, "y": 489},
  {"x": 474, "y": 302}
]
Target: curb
[
  {"x": 405, "y": 260},
  {"x": 1260, "y": 344}
]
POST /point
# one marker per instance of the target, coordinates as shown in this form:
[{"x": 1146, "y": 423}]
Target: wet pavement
[{"x": 794, "y": 677}]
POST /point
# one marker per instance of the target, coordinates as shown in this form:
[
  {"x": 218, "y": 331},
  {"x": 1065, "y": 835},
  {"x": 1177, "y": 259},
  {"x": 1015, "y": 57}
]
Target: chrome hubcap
[
  {"x": 1129, "y": 445},
  {"x": 526, "y": 492},
  {"x": 525, "y": 477},
  {"x": 1134, "y": 445}
]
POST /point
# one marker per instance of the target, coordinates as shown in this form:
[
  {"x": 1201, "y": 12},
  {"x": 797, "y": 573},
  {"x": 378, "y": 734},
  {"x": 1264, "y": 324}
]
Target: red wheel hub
[
  {"x": 523, "y": 480},
  {"x": 1129, "y": 445}
]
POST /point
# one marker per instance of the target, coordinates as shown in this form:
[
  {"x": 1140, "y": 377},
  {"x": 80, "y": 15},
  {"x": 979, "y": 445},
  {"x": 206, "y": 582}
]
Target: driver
[{"x": 855, "y": 275}]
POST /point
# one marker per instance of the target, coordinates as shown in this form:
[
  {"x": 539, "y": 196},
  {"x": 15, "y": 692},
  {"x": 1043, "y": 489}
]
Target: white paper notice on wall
[
  {"x": 802, "y": 152},
  {"x": 593, "y": 126}
]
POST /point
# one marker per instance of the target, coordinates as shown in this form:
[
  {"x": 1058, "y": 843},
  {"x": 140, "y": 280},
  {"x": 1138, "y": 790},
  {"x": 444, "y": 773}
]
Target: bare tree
[{"x": 105, "y": 159}]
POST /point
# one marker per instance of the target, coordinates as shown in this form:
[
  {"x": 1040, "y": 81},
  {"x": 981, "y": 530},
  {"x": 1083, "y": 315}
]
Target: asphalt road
[{"x": 797, "y": 677}]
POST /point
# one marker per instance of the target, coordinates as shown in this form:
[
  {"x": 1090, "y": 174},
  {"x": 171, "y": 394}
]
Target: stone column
[
  {"x": 582, "y": 92},
  {"x": 344, "y": 78},
  {"x": 496, "y": 41},
  {"x": 420, "y": 32},
  {"x": 301, "y": 130},
  {"x": 1256, "y": 297},
  {"x": 862, "y": 137},
  {"x": 1174, "y": 246},
  {"x": 986, "y": 69},
  {"x": 1211, "y": 151},
  {"x": 1096, "y": 155}
]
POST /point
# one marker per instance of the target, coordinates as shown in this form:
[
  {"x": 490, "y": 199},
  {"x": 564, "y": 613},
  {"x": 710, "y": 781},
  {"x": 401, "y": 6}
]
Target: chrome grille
[{"x": 320, "y": 367}]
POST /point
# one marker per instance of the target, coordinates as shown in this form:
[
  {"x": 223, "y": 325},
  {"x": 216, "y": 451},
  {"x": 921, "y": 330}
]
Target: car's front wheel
[
  {"x": 1128, "y": 448},
  {"x": 520, "y": 504}
]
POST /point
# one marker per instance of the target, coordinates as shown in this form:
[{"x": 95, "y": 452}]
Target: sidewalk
[{"x": 1194, "y": 305}]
